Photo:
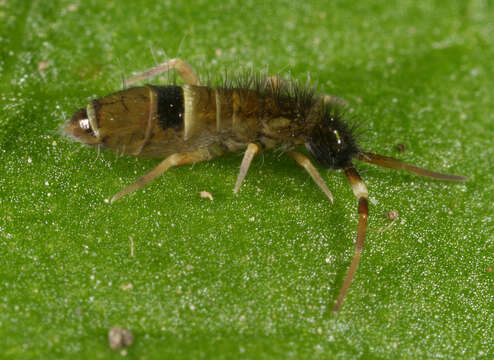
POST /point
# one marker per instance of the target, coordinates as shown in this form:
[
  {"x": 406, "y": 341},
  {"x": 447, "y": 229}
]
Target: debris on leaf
[
  {"x": 126, "y": 287},
  {"x": 401, "y": 147},
  {"x": 206, "y": 195},
  {"x": 42, "y": 65},
  {"x": 119, "y": 337},
  {"x": 392, "y": 215}
]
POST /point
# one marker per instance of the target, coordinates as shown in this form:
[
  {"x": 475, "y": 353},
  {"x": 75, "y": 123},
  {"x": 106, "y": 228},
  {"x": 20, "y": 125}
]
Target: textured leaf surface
[{"x": 253, "y": 275}]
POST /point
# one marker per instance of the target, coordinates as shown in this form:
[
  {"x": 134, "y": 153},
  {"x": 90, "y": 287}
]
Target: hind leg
[
  {"x": 184, "y": 71},
  {"x": 202, "y": 154}
]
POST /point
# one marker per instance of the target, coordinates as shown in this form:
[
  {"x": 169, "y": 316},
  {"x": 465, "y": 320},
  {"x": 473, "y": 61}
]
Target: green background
[{"x": 253, "y": 275}]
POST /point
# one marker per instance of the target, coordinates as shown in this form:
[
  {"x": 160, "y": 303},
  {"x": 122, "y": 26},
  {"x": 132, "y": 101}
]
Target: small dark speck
[
  {"x": 401, "y": 147},
  {"x": 392, "y": 215}
]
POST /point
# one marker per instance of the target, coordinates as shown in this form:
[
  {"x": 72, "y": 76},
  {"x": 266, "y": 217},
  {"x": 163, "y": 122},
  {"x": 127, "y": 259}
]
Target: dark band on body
[{"x": 170, "y": 106}]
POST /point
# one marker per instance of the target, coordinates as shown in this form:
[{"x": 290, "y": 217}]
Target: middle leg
[
  {"x": 252, "y": 150},
  {"x": 304, "y": 161}
]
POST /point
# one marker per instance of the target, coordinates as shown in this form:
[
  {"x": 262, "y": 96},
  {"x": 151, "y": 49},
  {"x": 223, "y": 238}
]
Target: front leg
[
  {"x": 304, "y": 161},
  {"x": 360, "y": 191}
]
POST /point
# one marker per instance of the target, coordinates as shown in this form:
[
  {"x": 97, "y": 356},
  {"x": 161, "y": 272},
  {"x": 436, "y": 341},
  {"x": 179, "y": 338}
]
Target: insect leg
[
  {"x": 360, "y": 191},
  {"x": 202, "y": 154},
  {"x": 334, "y": 100},
  {"x": 396, "y": 164},
  {"x": 276, "y": 81},
  {"x": 304, "y": 161},
  {"x": 252, "y": 150},
  {"x": 184, "y": 70}
]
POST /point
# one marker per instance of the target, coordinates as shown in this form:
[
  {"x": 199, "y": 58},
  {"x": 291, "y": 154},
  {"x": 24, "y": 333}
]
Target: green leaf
[{"x": 252, "y": 275}]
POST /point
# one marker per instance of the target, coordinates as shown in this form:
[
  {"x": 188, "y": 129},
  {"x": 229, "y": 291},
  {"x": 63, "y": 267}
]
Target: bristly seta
[{"x": 192, "y": 123}]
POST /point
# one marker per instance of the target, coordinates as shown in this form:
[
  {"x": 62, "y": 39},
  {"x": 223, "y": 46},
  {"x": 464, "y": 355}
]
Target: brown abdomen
[{"x": 236, "y": 117}]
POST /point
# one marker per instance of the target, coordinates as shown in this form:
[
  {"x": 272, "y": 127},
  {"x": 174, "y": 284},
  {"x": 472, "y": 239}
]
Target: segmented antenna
[{"x": 396, "y": 164}]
